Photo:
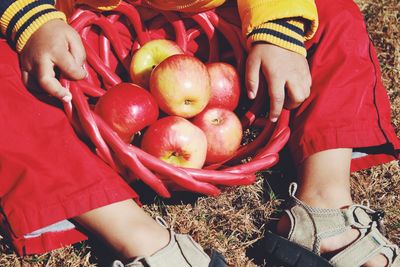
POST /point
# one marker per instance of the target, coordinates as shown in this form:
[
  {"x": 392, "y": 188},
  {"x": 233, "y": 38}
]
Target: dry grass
[{"x": 234, "y": 222}]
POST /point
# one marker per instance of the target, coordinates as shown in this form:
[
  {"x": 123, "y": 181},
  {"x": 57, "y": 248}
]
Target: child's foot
[
  {"x": 181, "y": 251},
  {"x": 335, "y": 244},
  {"x": 330, "y": 246},
  {"x": 347, "y": 237}
]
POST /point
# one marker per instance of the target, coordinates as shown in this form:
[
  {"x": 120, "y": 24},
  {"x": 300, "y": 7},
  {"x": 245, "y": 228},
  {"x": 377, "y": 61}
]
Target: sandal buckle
[{"x": 378, "y": 217}]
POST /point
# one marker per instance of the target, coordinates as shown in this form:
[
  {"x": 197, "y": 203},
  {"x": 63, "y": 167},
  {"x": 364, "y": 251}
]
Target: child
[
  {"x": 47, "y": 175},
  {"x": 345, "y": 108}
]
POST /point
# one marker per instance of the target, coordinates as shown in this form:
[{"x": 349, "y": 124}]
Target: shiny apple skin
[
  {"x": 147, "y": 57},
  {"x": 181, "y": 86},
  {"x": 127, "y": 108},
  {"x": 177, "y": 141},
  {"x": 225, "y": 85},
  {"x": 223, "y": 131}
]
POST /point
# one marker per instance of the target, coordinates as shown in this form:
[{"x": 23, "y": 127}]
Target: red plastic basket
[{"x": 111, "y": 38}]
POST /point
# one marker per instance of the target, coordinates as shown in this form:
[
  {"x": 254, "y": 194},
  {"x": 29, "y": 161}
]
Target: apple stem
[
  {"x": 216, "y": 121},
  {"x": 124, "y": 41}
]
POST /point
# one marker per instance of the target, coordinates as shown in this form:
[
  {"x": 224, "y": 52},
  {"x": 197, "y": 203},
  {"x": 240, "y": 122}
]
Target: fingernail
[
  {"x": 86, "y": 74},
  {"x": 67, "y": 98},
  {"x": 252, "y": 95},
  {"x": 274, "y": 119}
]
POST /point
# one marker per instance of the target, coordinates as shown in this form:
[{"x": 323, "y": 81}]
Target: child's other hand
[
  {"x": 287, "y": 74},
  {"x": 54, "y": 45}
]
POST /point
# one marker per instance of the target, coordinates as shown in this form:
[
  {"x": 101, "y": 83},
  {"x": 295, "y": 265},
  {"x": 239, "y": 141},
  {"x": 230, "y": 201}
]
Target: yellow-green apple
[
  {"x": 147, "y": 57},
  {"x": 223, "y": 131},
  {"x": 181, "y": 85},
  {"x": 177, "y": 141},
  {"x": 225, "y": 85},
  {"x": 127, "y": 108}
]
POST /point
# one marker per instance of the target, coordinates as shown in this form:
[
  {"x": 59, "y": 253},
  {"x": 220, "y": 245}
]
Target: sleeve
[
  {"x": 99, "y": 4},
  {"x": 184, "y": 5},
  {"x": 68, "y": 6},
  {"x": 19, "y": 19},
  {"x": 281, "y": 22},
  {"x": 286, "y": 33}
]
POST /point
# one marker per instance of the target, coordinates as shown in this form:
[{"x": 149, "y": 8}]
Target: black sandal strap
[
  {"x": 217, "y": 260},
  {"x": 291, "y": 254}
]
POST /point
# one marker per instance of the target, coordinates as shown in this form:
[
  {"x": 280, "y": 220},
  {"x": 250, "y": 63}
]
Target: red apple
[
  {"x": 225, "y": 85},
  {"x": 181, "y": 85},
  {"x": 127, "y": 108},
  {"x": 177, "y": 141},
  {"x": 147, "y": 57},
  {"x": 223, "y": 131}
]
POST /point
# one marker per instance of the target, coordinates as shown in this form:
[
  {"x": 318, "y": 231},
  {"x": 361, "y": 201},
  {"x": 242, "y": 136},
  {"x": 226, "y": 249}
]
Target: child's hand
[
  {"x": 54, "y": 45},
  {"x": 287, "y": 74}
]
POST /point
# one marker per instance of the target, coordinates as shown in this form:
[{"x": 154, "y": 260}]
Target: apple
[
  {"x": 225, "y": 85},
  {"x": 127, "y": 108},
  {"x": 181, "y": 85},
  {"x": 177, "y": 141},
  {"x": 147, "y": 57},
  {"x": 223, "y": 131}
]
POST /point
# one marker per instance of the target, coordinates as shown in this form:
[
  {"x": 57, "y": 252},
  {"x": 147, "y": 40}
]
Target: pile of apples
[
  {"x": 176, "y": 108},
  {"x": 154, "y": 111}
]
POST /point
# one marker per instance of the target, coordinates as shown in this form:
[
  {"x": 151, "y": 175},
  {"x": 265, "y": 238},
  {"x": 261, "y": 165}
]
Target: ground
[{"x": 234, "y": 222}]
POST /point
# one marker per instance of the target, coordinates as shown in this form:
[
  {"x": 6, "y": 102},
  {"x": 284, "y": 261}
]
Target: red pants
[
  {"x": 348, "y": 106},
  {"x": 48, "y": 175}
]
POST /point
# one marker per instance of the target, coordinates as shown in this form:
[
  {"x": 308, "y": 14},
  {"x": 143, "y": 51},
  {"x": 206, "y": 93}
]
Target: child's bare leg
[
  {"x": 324, "y": 179},
  {"x": 324, "y": 182},
  {"x": 127, "y": 228}
]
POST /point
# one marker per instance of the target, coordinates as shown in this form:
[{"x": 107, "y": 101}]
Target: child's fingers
[
  {"x": 47, "y": 80},
  {"x": 276, "y": 91},
  {"x": 297, "y": 92},
  {"x": 76, "y": 49},
  {"x": 252, "y": 75},
  {"x": 69, "y": 67},
  {"x": 25, "y": 78},
  {"x": 29, "y": 81}
]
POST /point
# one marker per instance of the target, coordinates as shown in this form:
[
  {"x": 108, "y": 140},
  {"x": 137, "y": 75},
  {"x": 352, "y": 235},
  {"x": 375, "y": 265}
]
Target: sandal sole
[
  {"x": 291, "y": 254},
  {"x": 217, "y": 260}
]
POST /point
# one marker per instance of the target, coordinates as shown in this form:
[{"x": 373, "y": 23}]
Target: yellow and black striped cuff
[
  {"x": 23, "y": 17},
  {"x": 286, "y": 33}
]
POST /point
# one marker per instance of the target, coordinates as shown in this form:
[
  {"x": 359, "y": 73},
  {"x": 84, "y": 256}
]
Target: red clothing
[
  {"x": 348, "y": 106},
  {"x": 47, "y": 174}
]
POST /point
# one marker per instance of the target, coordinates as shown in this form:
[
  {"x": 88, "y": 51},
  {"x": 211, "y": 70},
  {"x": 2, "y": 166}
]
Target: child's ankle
[
  {"x": 158, "y": 239},
  {"x": 332, "y": 245}
]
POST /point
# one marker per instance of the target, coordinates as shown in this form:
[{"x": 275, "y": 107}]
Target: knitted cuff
[
  {"x": 23, "y": 17},
  {"x": 103, "y": 5},
  {"x": 286, "y": 33}
]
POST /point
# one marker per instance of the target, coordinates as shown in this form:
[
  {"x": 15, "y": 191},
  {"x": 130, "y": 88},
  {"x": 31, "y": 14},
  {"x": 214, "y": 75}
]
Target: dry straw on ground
[{"x": 234, "y": 222}]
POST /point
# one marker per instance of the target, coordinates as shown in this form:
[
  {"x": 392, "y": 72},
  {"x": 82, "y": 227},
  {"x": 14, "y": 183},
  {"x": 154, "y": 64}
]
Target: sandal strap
[
  {"x": 310, "y": 225},
  {"x": 365, "y": 247},
  {"x": 181, "y": 251},
  {"x": 396, "y": 262},
  {"x": 359, "y": 216}
]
